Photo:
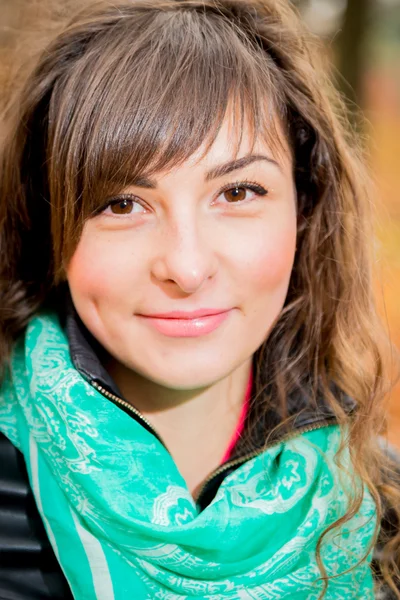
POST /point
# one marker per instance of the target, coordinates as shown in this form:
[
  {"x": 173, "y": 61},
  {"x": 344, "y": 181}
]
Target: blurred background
[{"x": 362, "y": 38}]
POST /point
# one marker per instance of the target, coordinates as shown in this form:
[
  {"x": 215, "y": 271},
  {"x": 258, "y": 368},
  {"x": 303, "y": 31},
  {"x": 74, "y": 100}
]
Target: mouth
[
  {"x": 186, "y": 326},
  {"x": 184, "y": 314}
]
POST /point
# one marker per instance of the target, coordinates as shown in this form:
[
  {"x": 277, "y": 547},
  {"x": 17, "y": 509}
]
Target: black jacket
[{"x": 29, "y": 569}]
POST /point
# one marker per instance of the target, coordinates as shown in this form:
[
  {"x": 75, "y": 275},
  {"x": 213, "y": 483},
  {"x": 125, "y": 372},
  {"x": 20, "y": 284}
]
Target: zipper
[
  {"x": 242, "y": 459},
  {"x": 129, "y": 407},
  {"x": 233, "y": 463}
]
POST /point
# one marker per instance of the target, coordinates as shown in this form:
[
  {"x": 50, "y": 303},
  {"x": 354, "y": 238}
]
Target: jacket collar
[{"x": 86, "y": 353}]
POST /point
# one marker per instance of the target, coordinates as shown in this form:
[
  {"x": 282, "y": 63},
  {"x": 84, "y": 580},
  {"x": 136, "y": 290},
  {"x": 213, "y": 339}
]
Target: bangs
[{"x": 145, "y": 95}]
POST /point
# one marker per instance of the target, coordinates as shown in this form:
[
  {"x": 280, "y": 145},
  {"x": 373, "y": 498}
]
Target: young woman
[{"x": 191, "y": 370}]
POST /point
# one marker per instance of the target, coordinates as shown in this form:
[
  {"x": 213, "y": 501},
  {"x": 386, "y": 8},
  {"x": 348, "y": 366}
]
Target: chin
[{"x": 189, "y": 375}]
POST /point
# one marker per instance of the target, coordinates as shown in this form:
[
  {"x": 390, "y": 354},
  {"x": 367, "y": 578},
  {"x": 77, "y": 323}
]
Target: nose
[{"x": 185, "y": 255}]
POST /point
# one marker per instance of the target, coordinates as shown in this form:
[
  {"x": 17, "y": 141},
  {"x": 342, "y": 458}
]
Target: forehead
[{"x": 236, "y": 139}]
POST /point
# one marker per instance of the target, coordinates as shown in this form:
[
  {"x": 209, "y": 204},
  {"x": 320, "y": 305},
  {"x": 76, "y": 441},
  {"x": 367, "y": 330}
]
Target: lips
[
  {"x": 192, "y": 324},
  {"x": 181, "y": 314}
]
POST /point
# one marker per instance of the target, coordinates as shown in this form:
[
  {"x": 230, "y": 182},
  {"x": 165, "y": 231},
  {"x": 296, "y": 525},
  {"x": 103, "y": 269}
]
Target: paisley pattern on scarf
[{"x": 122, "y": 520}]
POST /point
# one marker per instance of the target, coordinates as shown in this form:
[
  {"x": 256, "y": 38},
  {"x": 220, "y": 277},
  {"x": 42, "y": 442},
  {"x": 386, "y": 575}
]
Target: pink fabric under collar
[{"x": 242, "y": 419}]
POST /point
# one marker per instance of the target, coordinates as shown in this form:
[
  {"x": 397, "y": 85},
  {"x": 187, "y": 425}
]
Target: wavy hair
[{"x": 108, "y": 100}]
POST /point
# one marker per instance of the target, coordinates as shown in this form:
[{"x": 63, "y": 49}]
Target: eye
[
  {"x": 242, "y": 192},
  {"x": 123, "y": 205}
]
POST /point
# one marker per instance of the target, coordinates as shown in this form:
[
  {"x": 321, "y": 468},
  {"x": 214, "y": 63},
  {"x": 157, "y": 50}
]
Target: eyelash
[{"x": 244, "y": 184}]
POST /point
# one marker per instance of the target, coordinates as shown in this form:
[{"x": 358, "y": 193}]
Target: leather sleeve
[
  {"x": 29, "y": 569},
  {"x": 389, "y": 523}
]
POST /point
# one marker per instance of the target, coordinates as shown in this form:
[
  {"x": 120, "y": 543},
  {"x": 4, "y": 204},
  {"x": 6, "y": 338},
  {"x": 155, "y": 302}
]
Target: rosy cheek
[
  {"x": 272, "y": 260},
  {"x": 94, "y": 269}
]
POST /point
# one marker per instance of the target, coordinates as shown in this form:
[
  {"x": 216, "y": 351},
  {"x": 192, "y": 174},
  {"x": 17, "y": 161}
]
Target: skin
[{"x": 186, "y": 246}]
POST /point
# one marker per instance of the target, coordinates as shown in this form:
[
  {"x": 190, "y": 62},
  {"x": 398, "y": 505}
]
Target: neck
[{"x": 185, "y": 414}]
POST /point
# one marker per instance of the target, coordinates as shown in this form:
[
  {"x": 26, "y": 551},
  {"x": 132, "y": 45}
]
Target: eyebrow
[
  {"x": 240, "y": 163},
  {"x": 218, "y": 171}
]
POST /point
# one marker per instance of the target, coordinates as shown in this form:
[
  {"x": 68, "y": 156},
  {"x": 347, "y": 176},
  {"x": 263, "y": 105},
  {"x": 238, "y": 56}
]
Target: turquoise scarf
[{"x": 121, "y": 519}]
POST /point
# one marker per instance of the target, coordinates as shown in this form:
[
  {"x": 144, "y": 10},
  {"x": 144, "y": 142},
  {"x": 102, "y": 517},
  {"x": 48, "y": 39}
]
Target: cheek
[
  {"x": 270, "y": 263},
  {"x": 98, "y": 269}
]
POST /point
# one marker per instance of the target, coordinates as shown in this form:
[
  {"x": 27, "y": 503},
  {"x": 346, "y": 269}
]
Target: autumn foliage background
[{"x": 362, "y": 37}]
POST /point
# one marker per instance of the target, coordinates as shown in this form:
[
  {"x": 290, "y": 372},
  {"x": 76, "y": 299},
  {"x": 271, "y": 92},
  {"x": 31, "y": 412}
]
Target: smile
[{"x": 178, "y": 327}]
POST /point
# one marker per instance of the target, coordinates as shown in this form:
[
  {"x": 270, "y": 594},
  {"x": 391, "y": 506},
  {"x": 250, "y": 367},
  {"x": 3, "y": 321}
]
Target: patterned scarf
[{"x": 123, "y": 523}]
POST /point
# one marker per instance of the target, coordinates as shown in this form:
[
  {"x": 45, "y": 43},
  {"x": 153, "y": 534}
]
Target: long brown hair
[{"x": 138, "y": 87}]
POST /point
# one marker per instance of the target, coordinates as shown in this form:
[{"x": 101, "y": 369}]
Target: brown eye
[
  {"x": 122, "y": 207},
  {"x": 235, "y": 194}
]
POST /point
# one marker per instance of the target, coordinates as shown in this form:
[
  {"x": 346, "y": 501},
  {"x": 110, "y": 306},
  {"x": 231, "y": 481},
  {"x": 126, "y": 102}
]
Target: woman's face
[{"x": 209, "y": 235}]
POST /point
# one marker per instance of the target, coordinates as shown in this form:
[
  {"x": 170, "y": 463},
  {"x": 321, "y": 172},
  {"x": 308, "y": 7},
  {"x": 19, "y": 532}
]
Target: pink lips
[{"x": 186, "y": 324}]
